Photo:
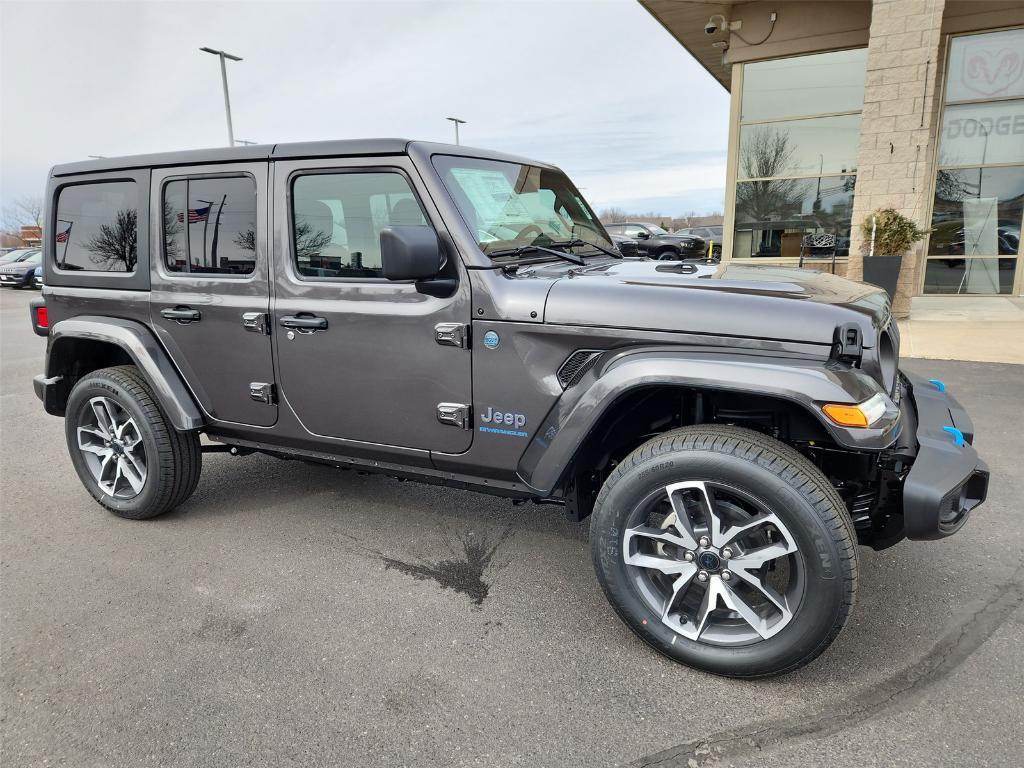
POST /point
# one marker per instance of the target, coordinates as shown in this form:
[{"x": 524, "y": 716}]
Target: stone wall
[{"x": 901, "y": 99}]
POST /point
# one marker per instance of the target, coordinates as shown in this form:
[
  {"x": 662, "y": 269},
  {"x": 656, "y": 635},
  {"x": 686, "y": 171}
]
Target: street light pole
[
  {"x": 224, "y": 79},
  {"x": 456, "y": 121}
]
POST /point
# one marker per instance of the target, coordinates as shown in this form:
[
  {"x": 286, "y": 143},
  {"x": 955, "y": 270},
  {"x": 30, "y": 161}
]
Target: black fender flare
[
  {"x": 144, "y": 350},
  {"x": 806, "y": 383}
]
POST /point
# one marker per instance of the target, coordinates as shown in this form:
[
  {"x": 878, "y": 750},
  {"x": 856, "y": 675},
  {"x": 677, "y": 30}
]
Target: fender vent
[{"x": 576, "y": 366}]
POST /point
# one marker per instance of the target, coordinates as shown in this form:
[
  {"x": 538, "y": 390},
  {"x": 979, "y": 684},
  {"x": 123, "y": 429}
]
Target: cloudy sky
[{"x": 598, "y": 88}]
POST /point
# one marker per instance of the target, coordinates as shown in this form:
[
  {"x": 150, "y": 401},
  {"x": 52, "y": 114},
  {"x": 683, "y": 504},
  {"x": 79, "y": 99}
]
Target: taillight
[{"x": 42, "y": 318}]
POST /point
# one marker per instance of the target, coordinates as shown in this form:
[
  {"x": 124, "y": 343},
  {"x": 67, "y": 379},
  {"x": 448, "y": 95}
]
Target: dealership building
[{"x": 841, "y": 108}]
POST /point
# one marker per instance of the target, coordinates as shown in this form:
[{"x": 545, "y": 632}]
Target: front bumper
[{"x": 947, "y": 479}]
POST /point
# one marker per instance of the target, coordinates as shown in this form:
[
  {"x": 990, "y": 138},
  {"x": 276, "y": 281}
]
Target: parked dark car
[
  {"x": 459, "y": 317},
  {"x": 710, "y": 234},
  {"x": 628, "y": 246},
  {"x": 19, "y": 273},
  {"x": 659, "y": 244}
]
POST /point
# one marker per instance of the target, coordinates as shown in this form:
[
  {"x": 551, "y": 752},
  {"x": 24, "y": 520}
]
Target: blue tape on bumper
[{"x": 958, "y": 436}]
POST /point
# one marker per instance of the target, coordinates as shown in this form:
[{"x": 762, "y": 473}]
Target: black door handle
[
  {"x": 183, "y": 315},
  {"x": 304, "y": 323}
]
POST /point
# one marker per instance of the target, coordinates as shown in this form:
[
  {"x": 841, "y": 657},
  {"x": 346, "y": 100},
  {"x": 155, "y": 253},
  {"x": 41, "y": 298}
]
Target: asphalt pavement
[{"x": 296, "y": 615}]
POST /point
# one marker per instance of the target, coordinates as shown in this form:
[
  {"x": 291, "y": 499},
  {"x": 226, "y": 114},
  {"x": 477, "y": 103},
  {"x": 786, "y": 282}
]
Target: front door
[
  {"x": 369, "y": 362},
  {"x": 210, "y": 299}
]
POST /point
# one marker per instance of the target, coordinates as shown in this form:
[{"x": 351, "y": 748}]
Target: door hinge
[
  {"x": 454, "y": 414},
  {"x": 452, "y": 334},
  {"x": 262, "y": 392},
  {"x": 257, "y": 322}
]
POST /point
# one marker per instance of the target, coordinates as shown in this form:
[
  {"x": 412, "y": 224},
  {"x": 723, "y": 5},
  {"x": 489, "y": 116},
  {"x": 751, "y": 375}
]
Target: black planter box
[{"x": 883, "y": 271}]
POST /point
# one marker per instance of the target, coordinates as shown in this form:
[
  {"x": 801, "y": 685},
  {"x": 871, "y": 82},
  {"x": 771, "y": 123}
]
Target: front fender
[
  {"x": 807, "y": 383},
  {"x": 144, "y": 350}
]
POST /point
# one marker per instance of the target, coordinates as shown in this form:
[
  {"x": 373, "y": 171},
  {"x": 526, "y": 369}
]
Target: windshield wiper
[
  {"x": 523, "y": 249},
  {"x": 578, "y": 242}
]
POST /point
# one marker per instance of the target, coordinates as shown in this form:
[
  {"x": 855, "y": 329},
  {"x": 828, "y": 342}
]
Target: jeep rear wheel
[
  {"x": 725, "y": 550},
  {"x": 126, "y": 452}
]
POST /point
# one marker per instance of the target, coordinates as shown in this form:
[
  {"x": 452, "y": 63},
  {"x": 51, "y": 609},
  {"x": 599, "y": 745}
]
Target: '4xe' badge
[
  {"x": 514, "y": 420},
  {"x": 491, "y": 340}
]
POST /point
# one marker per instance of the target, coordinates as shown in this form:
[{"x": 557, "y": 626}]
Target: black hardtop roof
[{"x": 296, "y": 150}]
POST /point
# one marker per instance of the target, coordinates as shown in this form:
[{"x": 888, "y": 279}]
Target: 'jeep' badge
[{"x": 505, "y": 423}]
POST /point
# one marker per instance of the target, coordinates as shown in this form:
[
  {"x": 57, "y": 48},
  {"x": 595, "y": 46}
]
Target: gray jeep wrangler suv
[{"x": 461, "y": 317}]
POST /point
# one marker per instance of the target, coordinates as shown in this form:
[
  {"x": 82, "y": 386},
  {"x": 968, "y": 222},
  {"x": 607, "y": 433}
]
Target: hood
[{"x": 771, "y": 303}]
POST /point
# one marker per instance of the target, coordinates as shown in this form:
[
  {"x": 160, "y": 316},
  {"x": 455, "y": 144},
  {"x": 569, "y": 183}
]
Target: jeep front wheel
[
  {"x": 725, "y": 550},
  {"x": 126, "y": 452}
]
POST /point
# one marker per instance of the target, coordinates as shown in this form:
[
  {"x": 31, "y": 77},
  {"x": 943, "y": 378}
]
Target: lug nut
[
  {"x": 688, "y": 557},
  {"x": 726, "y": 553},
  {"x": 726, "y": 575},
  {"x": 705, "y": 541},
  {"x": 702, "y": 576}
]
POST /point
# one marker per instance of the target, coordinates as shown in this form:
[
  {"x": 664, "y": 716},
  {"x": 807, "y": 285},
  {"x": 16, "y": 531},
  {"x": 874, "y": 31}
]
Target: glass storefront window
[
  {"x": 986, "y": 66},
  {"x": 820, "y": 84},
  {"x": 816, "y": 146},
  {"x": 978, "y": 212},
  {"x": 977, "y": 134},
  {"x": 772, "y": 216},
  {"x": 959, "y": 276}
]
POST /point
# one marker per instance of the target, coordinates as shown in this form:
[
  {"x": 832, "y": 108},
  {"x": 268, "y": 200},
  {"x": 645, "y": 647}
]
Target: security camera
[{"x": 715, "y": 25}]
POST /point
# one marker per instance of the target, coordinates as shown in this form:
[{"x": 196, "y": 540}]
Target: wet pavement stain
[{"x": 463, "y": 574}]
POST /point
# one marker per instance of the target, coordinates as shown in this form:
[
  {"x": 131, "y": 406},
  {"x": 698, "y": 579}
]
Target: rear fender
[
  {"x": 64, "y": 361},
  {"x": 805, "y": 383}
]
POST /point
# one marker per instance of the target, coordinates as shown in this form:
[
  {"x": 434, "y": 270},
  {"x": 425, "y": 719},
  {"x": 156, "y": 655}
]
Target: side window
[
  {"x": 97, "y": 227},
  {"x": 209, "y": 225},
  {"x": 632, "y": 231},
  {"x": 337, "y": 219}
]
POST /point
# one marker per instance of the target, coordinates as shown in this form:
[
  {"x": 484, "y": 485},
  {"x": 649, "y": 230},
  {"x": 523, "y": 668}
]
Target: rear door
[
  {"x": 377, "y": 359},
  {"x": 210, "y": 298}
]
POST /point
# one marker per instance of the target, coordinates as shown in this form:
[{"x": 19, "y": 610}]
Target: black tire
[
  {"x": 667, "y": 254},
  {"x": 788, "y": 485},
  {"x": 173, "y": 459}
]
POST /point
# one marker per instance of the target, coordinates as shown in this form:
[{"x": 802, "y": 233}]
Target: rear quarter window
[{"x": 97, "y": 227}]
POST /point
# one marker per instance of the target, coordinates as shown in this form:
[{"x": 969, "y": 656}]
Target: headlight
[{"x": 873, "y": 412}]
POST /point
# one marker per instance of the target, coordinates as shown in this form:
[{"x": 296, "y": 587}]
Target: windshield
[
  {"x": 19, "y": 255},
  {"x": 508, "y": 205},
  {"x": 654, "y": 229}
]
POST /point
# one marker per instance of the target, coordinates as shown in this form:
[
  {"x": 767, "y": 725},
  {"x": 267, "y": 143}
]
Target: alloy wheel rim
[
  {"x": 714, "y": 563},
  {"x": 111, "y": 443}
]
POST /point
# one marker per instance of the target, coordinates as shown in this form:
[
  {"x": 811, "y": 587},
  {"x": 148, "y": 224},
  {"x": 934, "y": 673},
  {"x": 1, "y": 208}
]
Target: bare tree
[
  {"x": 612, "y": 215},
  {"x": 308, "y": 240},
  {"x": 766, "y": 154},
  {"x": 246, "y": 240},
  {"x": 25, "y": 211},
  {"x": 172, "y": 227},
  {"x": 117, "y": 243}
]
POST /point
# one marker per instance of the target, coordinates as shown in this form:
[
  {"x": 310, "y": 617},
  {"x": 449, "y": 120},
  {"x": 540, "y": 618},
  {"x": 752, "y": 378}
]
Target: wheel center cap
[{"x": 709, "y": 561}]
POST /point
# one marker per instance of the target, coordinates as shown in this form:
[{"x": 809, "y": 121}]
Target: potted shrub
[{"x": 886, "y": 236}]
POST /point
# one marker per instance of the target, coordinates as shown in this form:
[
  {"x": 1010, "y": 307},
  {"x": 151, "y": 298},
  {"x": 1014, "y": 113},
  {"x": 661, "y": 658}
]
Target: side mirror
[
  {"x": 409, "y": 252},
  {"x": 641, "y": 235}
]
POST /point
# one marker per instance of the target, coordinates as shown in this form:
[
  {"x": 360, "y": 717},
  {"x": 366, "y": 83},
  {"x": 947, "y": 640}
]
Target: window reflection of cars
[
  {"x": 712, "y": 234},
  {"x": 628, "y": 246},
  {"x": 657, "y": 243}
]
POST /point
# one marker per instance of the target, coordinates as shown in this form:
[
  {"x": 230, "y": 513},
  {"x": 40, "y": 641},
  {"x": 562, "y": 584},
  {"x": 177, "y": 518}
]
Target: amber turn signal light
[{"x": 846, "y": 415}]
